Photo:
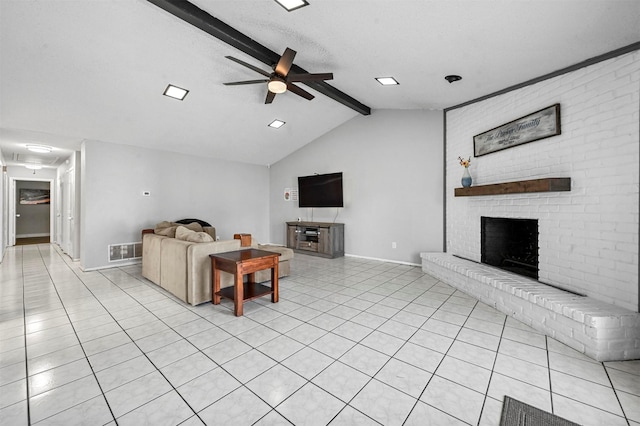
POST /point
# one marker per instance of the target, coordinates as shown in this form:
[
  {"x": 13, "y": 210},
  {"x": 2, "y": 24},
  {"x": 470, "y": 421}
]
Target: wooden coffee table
[{"x": 241, "y": 263}]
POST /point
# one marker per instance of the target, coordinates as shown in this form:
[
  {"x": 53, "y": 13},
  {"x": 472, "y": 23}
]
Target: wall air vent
[{"x": 125, "y": 251}]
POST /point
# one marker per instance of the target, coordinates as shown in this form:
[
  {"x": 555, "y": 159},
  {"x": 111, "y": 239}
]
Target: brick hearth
[{"x": 600, "y": 330}]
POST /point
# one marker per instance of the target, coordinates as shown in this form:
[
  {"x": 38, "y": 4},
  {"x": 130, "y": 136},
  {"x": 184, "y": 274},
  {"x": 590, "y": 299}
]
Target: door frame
[{"x": 12, "y": 206}]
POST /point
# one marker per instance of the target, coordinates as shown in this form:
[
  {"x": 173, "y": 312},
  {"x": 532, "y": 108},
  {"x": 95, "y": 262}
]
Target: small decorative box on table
[{"x": 240, "y": 263}]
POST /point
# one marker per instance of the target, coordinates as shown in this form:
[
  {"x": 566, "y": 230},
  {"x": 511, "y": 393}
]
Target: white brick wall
[{"x": 589, "y": 236}]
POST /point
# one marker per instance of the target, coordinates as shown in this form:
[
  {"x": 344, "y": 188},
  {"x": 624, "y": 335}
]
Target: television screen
[{"x": 320, "y": 190}]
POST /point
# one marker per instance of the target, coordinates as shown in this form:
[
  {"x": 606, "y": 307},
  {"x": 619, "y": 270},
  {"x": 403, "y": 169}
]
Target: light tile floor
[{"x": 351, "y": 341}]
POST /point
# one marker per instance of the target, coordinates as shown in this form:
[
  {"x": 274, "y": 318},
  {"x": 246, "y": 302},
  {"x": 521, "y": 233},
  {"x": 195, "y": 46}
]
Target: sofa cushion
[
  {"x": 194, "y": 226},
  {"x": 166, "y": 232},
  {"x": 199, "y": 237},
  {"x": 168, "y": 229},
  {"x": 211, "y": 231},
  {"x": 184, "y": 234}
]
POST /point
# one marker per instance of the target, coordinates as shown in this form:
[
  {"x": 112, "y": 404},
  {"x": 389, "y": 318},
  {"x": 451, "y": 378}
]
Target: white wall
[
  {"x": 393, "y": 178},
  {"x": 233, "y": 197},
  {"x": 589, "y": 236}
]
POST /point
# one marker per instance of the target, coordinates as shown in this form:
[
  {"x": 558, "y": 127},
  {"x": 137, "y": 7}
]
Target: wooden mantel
[{"x": 518, "y": 187}]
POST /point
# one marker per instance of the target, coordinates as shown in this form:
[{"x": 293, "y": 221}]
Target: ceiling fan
[{"x": 279, "y": 81}]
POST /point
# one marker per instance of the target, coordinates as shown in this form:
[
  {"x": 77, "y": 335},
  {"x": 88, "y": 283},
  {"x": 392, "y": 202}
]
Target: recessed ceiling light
[
  {"x": 43, "y": 149},
  {"x": 33, "y": 166},
  {"x": 292, "y": 4},
  {"x": 276, "y": 124},
  {"x": 175, "y": 92},
  {"x": 387, "y": 81}
]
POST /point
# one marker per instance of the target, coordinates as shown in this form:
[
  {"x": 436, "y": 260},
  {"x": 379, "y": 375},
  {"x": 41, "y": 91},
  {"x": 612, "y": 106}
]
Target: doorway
[{"x": 32, "y": 214}]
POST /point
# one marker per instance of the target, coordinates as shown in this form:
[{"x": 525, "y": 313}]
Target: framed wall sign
[{"x": 538, "y": 125}]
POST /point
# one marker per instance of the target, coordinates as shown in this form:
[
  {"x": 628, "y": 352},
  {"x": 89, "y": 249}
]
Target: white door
[
  {"x": 11, "y": 241},
  {"x": 71, "y": 210},
  {"x": 58, "y": 207},
  {"x": 66, "y": 221}
]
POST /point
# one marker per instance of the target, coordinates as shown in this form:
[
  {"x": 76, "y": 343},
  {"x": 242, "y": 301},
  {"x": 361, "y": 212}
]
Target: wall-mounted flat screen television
[{"x": 320, "y": 190}]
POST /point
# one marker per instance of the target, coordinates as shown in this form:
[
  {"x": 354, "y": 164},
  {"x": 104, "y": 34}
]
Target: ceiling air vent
[{"x": 40, "y": 159}]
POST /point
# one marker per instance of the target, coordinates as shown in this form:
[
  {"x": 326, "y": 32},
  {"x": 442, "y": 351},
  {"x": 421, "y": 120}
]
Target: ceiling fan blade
[
  {"x": 238, "y": 83},
  {"x": 300, "y": 92},
  {"x": 251, "y": 67},
  {"x": 270, "y": 97},
  {"x": 286, "y": 60},
  {"x": 310, "y": 77}
]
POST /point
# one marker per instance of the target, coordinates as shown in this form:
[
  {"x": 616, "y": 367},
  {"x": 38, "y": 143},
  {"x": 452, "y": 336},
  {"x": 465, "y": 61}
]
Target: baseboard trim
[
  {"x": 98, "y": 268},
  {"x": 382, "y": 260},
  {"x": 33, "y": 235}
]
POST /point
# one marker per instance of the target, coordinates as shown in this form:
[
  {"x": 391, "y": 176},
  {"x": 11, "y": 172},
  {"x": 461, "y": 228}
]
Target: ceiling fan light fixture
[
  {"x": 175, "y": 92},
  {"x": 276, "y": 124},
  {"x": 387, "y": 81},
  {"x": 41, "y": 149},
  {"x": 277, "y": 86},
  {"x": 291, "y": 5}
]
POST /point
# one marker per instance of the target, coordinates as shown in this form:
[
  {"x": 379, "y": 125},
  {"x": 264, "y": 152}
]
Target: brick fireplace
[{"x": 588, "y": 236}]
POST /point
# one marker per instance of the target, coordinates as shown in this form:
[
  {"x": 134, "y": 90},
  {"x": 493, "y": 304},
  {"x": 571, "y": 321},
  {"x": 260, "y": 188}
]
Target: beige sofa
[{"x": 183, "y": 268}]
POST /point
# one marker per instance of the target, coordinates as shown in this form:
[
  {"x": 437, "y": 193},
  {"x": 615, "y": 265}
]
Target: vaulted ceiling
[{"x": 74, "y": 70}]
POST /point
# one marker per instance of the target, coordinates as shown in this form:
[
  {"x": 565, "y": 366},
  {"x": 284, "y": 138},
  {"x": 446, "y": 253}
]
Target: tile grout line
[
  {"x": 309, "y": 381},
  {"x": 134, "y": 342},
  {"x": 77, "y": 337},
  {"x": 242, "y": 385},
  {"x": 495, "y": 360},
  {"x": 546, "y": 346},
  {"x": 24, "y": 323},
  {"x": 624, "y": 414},
  {"x": 347, "y": 404},
  {"x": 390, "y": 357},
  {"x": 440, "y": 363}
]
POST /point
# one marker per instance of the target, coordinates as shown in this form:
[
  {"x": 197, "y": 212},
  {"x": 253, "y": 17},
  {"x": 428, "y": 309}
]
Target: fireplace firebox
[{"x": 510, "y": 244}]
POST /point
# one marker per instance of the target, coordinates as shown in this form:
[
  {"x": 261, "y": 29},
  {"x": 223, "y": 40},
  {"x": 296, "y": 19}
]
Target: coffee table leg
[
  {"x": 215, "y": 288},
  {"x": 274, "y": 283},
  {"x": 238, "y": 293}
]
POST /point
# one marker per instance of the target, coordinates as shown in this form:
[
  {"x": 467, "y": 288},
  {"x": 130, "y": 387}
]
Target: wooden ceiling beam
[{"x": 197, "y": 17}]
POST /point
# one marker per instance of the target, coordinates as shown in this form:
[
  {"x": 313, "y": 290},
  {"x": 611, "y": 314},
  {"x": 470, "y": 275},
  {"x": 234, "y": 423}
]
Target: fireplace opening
[{"x": 510, "y": 244}]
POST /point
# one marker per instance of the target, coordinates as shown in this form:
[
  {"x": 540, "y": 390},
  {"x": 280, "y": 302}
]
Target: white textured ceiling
[{"x": 73, "y": 70}]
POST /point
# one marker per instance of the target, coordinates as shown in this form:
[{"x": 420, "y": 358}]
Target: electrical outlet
[{"x": 394, "y": 245}]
